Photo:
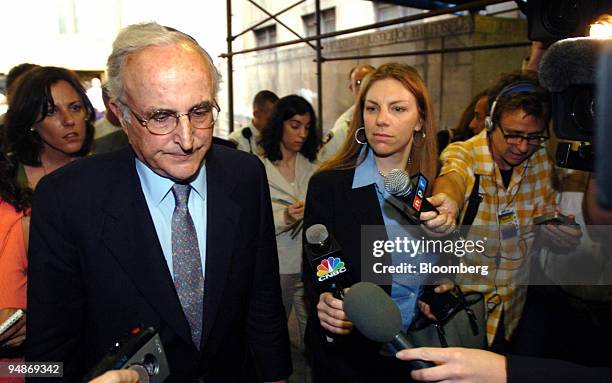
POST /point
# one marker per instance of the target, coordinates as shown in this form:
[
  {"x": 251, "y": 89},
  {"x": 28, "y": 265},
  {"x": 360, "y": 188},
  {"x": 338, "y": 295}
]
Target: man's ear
[{"x": 116, "y": 109}]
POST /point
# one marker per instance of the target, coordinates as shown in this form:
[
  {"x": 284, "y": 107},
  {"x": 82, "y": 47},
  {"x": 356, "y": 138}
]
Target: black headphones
[{"x": 515, "y": 87}]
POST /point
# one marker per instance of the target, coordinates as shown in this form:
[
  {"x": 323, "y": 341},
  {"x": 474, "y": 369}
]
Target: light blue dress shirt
[
  {"x": 160, "y": 200},
  {"x": 405, "y": 289}
]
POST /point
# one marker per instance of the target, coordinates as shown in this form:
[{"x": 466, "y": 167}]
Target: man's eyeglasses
[
  {"x": 517, "y": 139},
  {"x": 161, "y": 122}
]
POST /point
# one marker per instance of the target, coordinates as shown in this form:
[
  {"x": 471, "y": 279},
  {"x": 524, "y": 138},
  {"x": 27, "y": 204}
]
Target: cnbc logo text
[{"x": 329, "y": 268}]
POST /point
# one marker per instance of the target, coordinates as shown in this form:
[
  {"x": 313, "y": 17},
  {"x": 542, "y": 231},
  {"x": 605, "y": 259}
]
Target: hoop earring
[
  {"x": 365, "y": 140},
  {"x": 419, "y": 139}
]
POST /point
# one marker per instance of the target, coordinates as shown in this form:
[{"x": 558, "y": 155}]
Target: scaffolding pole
[
  {"x": 319, "y": 69},
  {"x": 439, "y": 12},
  {"x": 267, "y": 19},
  {"x": 230, "y": 68},
  {"x": 320, "y": 36}
]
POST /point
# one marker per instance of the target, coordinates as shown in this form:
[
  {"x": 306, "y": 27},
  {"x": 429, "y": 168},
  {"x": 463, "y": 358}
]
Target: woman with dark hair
[
  {"x": 392, "y": 128},
  {"x": 49, "y": 123},
  {"x": 289, "y": 142},
  {"x": 14, "y": 223},
  {"x": 470, "y": 123}
]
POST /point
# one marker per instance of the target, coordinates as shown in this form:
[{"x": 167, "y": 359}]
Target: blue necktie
[{"x": 186, "y": 262}]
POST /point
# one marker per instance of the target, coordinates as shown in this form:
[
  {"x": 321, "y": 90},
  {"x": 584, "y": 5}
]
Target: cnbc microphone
[
  {"x": 411, "y": 191},
  {"x": 378, "y": 318},
  {"x": 324, "y": 255}
]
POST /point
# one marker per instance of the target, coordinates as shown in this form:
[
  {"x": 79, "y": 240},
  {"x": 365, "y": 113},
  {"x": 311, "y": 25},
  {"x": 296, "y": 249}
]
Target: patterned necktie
[{"x": 186, "y": 262}]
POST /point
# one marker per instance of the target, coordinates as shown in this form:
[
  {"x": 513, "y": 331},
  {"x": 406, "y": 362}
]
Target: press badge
[{"x": 508, "y": 224}]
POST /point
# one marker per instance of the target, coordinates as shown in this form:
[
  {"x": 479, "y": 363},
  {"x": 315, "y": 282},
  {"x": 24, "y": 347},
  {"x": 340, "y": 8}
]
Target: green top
[{"x": 22, "y": 178}]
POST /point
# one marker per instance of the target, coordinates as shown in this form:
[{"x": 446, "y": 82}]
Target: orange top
[{"x": 13, "y": 259}]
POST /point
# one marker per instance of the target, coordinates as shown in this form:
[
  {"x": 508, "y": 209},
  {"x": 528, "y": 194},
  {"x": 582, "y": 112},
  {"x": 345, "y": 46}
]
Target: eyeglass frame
[
  {"x": 541, "y": 139},
  {"x": 144, "y": 122}
]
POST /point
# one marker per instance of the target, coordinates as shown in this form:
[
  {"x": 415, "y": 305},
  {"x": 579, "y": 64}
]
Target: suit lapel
[
  {"x": 222, "y": 220},
  {"x": 129, "y": 234},
  {"x": 363, "y": 201}
]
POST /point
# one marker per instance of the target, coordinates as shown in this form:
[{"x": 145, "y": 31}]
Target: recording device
[
  {"x": 442, "y": 305},
  {"x": 329, "y": 271},
  {"x": 10, "y": 322},
  {"x": 567, "y": 70},
  {"x": 378, "y": 318},
  {"x": 552, "y": 20},
  {"x": 141, "y": 350},
  {"x": 246, "y": 133},
  {"x": 554, "y": 219},
  {"x": 412, "y": 191}
]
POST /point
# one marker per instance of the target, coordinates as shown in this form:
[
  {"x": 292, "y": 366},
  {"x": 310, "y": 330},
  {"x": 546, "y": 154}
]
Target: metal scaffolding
[{"x": 320, "y": 59}]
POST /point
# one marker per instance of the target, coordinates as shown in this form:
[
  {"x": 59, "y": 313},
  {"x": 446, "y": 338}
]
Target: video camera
[
  {"x": 568, "y": 71},
  {"x": 553, "y": 20}
]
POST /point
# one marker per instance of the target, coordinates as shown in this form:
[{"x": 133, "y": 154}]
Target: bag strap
[{"x": 474, "y": 201}]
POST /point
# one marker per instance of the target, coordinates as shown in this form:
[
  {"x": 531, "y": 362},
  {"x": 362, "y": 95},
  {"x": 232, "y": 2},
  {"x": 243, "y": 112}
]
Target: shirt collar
[
  {"x": 157, "y": 187},
  {"x": 366, "y": 173}
]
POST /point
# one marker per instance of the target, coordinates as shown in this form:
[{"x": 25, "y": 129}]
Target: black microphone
[
  {"x": 378, "y": 318},
  {"x": 329, "y": 271},
  {"x": 246, "y": 133},
  {"x": 412, "y": 191}
]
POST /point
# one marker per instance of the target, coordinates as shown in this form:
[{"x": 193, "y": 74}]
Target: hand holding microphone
[
  {"x": 329, "y": 274},
  {"x": 444, "y": 222},
  {"x": 331, "y": 315},
  {"x": 456, "y": 364},
  {"x": 437, "y": 214},
  {"x": 118, "y": 376},
  {"x": 378, "y": 318}
]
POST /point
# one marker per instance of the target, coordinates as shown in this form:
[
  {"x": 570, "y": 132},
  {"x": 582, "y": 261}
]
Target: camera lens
[
  {"x": 150, "y": 364},
  {"x": 583, "y": 110}
]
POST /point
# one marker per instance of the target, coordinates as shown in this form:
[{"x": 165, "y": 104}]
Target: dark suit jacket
[
  {"x": 525, "y": 369},
  {"x": 331, "y": 201},
  {"x": 97, "y": 269}
]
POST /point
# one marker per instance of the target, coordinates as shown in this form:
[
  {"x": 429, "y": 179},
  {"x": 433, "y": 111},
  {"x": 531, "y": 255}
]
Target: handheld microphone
[
  {"x": 246, "y": 133},
  {"x": 412, "y": 191},
  {"x": 142, "y": 351},
  {"x": 378, "y": 318},
  {"x": 329, "y": 271}
]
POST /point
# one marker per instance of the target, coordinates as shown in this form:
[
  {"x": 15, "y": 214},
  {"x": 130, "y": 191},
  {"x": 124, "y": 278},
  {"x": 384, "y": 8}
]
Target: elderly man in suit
[{"x": 172, "y": 232}]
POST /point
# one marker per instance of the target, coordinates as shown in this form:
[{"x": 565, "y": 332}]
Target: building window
[
  {"x": 328, "y": 22},
  {"x": 265, "y": 35},
  {"x": 386, "y": 12}
]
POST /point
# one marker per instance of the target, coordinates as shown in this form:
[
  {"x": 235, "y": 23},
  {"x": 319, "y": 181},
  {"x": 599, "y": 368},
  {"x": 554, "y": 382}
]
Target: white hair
[{"x": 139, "y": 36}]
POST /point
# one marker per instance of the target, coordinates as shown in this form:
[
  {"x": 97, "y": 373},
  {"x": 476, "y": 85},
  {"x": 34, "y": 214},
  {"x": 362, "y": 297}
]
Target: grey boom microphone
[{"x": 378, "y": 318}]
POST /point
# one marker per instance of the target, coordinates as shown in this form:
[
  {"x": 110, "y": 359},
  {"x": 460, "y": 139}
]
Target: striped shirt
[{"x": 529, "y": 195}]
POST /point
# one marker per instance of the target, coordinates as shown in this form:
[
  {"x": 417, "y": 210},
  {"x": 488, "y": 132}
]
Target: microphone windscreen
[
  {"x": 373, "y": 312},
  {"x": 246, "y": 133},
  {"x": 397, "y": 183},
  {"x": 569, "y": 62},
  {"x": 316, "y": 234}
]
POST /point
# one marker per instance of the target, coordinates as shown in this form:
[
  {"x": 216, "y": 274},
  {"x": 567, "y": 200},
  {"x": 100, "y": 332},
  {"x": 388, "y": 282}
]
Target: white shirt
[{"x": 245, "y": 145}]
